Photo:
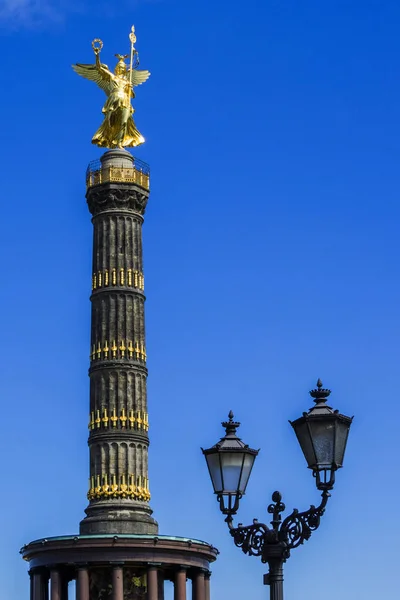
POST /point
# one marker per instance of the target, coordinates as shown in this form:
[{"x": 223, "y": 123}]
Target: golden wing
[
  {"x": 100, "y": 75},
  {"x": 138, "y": 77}
]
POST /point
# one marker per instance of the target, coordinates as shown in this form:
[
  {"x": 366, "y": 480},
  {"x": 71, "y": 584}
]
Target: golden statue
[{"x": 118, "y": 129}]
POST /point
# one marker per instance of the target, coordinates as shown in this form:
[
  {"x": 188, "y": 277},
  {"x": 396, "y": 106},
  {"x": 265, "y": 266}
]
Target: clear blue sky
[{"x": 271, "y": 259}]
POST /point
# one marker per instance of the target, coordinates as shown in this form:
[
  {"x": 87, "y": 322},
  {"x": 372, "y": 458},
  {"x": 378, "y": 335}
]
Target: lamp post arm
[
  {"x": 298, "y": 526},
  {"x": 260, "y": 540},
  {"x": 273, "y": 544},
  {"x": 252, "y": 539}
]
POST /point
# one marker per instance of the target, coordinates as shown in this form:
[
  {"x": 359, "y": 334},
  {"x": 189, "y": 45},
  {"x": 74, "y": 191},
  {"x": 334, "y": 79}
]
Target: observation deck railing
[{"x": 139, "y": 174}]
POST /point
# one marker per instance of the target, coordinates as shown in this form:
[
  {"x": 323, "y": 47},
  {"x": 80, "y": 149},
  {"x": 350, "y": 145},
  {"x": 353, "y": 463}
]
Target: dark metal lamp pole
[{"x": 322, "y": 434}]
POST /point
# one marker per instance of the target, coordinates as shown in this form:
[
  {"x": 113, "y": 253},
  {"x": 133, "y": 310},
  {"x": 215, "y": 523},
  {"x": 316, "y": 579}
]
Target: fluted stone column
[
  {"x": 180, "y": 585},
  {"x": 117, "y": 583},
  {"x": 55, "y": 585},
  {"x": 152, "y": 583},
  {"x": 118, "y": 421},
  {"x": 82, "y": 584},
  {"x": 198, "y": 586}
]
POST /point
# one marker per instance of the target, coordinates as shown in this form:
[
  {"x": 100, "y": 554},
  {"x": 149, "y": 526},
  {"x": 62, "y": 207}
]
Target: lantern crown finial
[
  {"x": 320, "y": 394},
  {"x": 231, "y": 425}
]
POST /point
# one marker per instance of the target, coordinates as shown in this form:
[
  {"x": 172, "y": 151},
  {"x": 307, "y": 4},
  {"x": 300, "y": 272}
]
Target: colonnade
[{"x": 58, "y": 588}]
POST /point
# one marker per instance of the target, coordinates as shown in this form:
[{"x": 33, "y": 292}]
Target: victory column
[{"x": 118, "y": 554}]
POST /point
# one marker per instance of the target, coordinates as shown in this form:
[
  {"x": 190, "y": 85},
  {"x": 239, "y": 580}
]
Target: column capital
[{"x": 108, "y": 197}]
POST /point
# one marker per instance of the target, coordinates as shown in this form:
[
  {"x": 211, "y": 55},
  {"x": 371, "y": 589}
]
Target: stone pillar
[
  {"x": 82, "y": 584},
  {"x": 152, "y": 583},
  {"x": 55, "y": 585},
  {"x": 160, "y": 583},
  {"x": 118, "y": 583},
  {"x": 180, "y": 585},
  {"x": 118, "y": 373},
  {"x": 198, "y": 586},
  {"x": 37, "y": 586},
  {"x": 207, "y": 584}
]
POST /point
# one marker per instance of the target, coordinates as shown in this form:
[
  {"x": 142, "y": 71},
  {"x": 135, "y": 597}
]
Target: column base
[{"x": 117, "y": 518}]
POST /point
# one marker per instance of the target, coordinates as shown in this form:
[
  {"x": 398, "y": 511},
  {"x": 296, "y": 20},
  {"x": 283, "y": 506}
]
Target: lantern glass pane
[
  {"x": 232, "y": 463},
  {"x": 342, "y": 432},
  {"x": 215, "y": 471},
  {"x": 323, "y": 437},
  {"x": 305, "y": 441},
  {"x": 247, "y": 466}
]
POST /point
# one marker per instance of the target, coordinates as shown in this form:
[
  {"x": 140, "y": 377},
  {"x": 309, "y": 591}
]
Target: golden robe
[{"x": 118, "y": 128}]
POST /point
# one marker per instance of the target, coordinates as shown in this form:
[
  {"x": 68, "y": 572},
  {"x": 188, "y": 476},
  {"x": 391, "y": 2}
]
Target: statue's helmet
[{"x": 120, "y": 68}]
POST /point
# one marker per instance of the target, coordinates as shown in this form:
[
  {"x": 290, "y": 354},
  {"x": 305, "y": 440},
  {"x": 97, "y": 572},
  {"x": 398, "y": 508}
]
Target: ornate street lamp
[
  {"x": 322, "y": 435},
  {"x": 230, "y": 463}
]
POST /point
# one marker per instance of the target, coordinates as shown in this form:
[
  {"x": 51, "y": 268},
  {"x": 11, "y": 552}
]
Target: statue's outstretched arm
[{"x": 103, "y": 69}]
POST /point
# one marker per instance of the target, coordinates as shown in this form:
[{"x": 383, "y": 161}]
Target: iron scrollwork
[
  {"x": 298, "y": 526},
  {"x": 253, "y": 538},
  {"x": 276, "y": 542}
]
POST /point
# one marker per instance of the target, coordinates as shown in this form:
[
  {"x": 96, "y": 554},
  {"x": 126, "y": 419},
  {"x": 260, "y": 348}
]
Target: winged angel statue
[{"x": 118, "y": 129}]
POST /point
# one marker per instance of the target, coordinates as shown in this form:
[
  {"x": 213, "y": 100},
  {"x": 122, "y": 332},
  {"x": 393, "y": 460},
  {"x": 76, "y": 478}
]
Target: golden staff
[{"x": 132, "y": 38}]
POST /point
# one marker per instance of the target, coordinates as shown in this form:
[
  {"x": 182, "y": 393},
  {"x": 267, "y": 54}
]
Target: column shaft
[
  {"x": 118, "y": 583},
  {"x": 180, "y": 585},
  {"x": 198, "y": 587},
  {"x": 152, "y": 583},
  {"x": 37, "y": 587},
  {"x": 118, "y": 418},
  {"x": 82, "y": 584},
  {"x": 55, "y": 585},
  {"x": 207, "y": 585}
]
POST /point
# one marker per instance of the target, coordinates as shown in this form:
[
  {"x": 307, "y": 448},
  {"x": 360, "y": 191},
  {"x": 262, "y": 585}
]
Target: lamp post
[{"x": 322, "y": 434}]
